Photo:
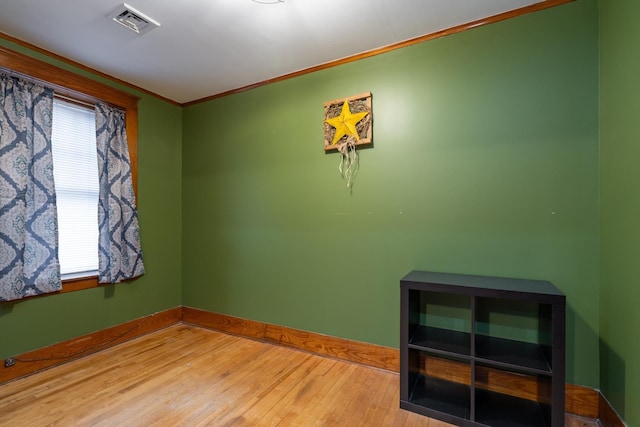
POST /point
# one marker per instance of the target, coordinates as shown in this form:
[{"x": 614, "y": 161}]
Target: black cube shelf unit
[{"x": 482, "y": 351}]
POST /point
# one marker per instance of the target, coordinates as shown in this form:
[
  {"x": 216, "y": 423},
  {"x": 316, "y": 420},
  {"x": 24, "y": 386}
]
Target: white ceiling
[{"x": 206, "y": 47}]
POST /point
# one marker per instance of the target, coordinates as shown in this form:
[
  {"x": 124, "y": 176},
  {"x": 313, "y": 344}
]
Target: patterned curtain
[
  {"x": 120, "y": 254},
  {"x": 28, "y": 217}
]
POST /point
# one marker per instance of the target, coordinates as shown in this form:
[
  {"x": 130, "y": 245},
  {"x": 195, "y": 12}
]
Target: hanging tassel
[{"x": 348, "y": 160}]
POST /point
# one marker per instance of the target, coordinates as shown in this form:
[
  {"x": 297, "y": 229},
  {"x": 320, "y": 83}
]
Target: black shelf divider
[
  {"x": 472, "y": 382},
  {"x": 512, "y": 353},
  {"x": 446, "y": 340}
]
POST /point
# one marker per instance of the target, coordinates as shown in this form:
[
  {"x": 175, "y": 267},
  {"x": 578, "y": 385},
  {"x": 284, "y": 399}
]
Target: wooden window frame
[{"x": 83, "y": 89}]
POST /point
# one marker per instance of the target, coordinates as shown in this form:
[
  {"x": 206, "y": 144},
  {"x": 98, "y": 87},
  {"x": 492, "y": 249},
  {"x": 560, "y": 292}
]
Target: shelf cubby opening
[
  {"x": 440, "y": 321},
  {"x": 512, "y": 332},
  {"x": 502, "y": 410},
  {"x": 536, "y": 388},
  {"x": 514, "y": 354},
  {"x": 442, "y": 384}
]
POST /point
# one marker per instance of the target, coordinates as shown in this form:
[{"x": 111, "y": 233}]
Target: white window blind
[{"x": 75, "y": 170}]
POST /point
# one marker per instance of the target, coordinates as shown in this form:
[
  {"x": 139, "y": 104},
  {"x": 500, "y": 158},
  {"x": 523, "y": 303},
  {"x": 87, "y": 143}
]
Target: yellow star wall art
[
  {"x": 348, "y": 124},
  {"x": 347, "y": 118}
]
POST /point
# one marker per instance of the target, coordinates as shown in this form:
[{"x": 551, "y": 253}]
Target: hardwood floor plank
[
  {"x": 341, "y": 406},
  {"x": 382, "y": 400},
  {"x": 362, "y": 402},
  {"x": 331, "y": 397},
  {"x": 190, "y": 376}
]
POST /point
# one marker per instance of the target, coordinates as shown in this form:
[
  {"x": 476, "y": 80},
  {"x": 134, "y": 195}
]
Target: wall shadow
[
  {"x": 613, "y": 378},
  {"x": 6, "y": 308}
]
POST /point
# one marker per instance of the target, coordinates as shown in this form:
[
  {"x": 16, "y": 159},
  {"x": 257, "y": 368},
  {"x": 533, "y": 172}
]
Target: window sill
[{"x": 79, "y": 283}]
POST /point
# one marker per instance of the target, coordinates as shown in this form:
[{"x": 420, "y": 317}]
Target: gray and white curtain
[
  {"x": 120, "y": 254},
  {"x": 28, "y": 217}
]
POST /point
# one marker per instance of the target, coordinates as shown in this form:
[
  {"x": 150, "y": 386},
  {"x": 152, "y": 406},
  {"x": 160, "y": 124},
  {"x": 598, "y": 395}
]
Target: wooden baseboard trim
[
  {"x": 582, "y": 401},
  {"x": 56, "y": 354},
  {"x": 353, "y": 351},
  {"x": 340, "y": 348},
  {"x": 607, "y": 415}
]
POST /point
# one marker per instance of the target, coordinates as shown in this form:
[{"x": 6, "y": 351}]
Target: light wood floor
[{"x": 189, "y": 376}]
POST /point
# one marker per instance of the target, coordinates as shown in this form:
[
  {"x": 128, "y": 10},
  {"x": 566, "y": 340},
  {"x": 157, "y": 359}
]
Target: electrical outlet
[{"x": 9, "y": 362}]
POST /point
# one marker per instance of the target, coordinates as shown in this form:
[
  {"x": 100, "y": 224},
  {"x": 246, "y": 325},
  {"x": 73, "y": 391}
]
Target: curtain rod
[{"x": 75, "y": 101}]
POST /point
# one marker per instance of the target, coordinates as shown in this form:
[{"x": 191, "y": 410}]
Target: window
[
  {"x": 84, "y": 90},
  {"x": 75, "y": 169}
]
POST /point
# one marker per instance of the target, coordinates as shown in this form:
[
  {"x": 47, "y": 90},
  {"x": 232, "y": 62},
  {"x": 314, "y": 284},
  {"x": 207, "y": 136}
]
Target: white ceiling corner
[{"x": 206, "y": 47}]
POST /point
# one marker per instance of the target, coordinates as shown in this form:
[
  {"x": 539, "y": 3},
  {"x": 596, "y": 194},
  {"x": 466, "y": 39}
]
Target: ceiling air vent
[{"x": 134, "y": 20}]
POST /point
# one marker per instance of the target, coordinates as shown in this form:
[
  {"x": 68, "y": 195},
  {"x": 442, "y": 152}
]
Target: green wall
[
  {"x": 37, "y": 322},
  {"x": 485, "y": 161},
  {"x": 620, "y": 205}
]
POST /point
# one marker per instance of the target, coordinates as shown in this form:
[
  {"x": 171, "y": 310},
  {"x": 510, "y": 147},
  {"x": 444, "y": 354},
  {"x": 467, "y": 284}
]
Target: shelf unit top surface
[{"x": 483, "y": 283}]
